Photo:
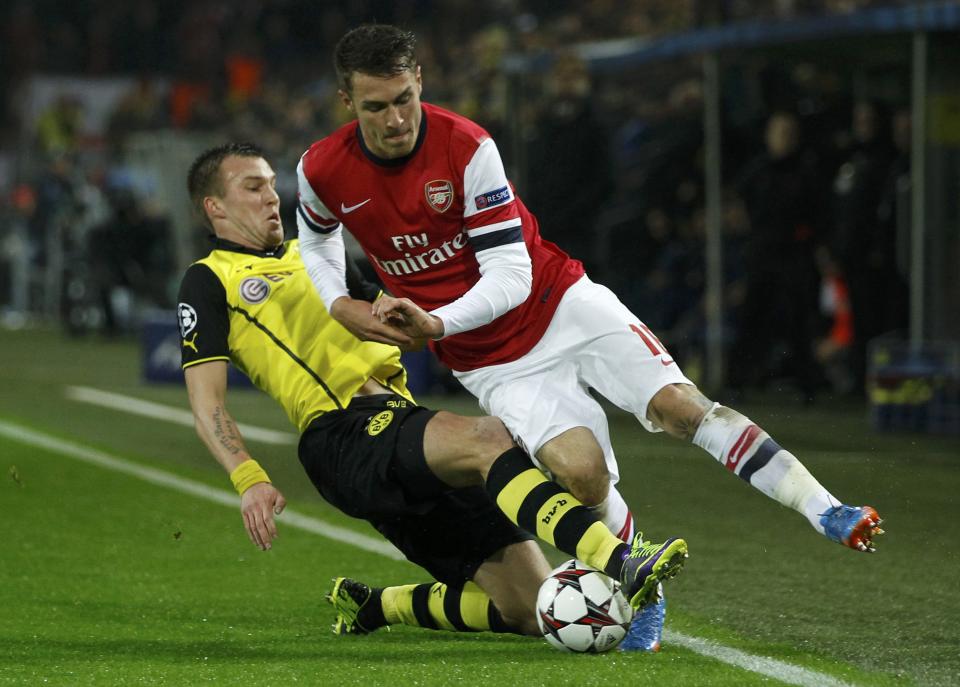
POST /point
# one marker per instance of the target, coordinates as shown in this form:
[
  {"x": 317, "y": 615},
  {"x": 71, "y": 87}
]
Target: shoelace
[
  {"x": 834, "y": 511},
  {"x": 644, "y": 550},
  {"x": 840, "y": 514}
]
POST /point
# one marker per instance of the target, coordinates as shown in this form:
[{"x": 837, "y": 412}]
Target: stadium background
[{"x": 635, "y": 131}]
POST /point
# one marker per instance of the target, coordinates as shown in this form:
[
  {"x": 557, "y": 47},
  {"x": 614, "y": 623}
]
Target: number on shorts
[{"x": 657, "y": 348}]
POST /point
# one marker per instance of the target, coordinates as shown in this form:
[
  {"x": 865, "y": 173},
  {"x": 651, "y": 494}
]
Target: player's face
[
  {"x": 248, "y": 213},
  {"x": 388, "y": 111}
]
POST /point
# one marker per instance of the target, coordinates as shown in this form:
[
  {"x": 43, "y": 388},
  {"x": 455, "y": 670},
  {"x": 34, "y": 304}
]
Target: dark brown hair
[{"x": 375, "y": 49}]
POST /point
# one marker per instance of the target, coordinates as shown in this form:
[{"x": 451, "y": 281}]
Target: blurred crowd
[
  {"x": 815, "y": 215},
  {"x": 611, "y": 164}
]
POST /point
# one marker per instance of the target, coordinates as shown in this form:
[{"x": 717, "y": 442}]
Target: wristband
[{"x": 247, "y": 474}]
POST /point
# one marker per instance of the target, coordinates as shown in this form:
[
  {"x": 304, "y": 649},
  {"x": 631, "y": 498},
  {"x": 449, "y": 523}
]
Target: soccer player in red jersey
[
  {"x": 454, "y": 494},
  {"x": 424, "y": 192}
]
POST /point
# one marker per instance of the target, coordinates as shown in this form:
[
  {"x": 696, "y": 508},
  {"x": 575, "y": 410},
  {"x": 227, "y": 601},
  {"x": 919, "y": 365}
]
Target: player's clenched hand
[
  {"x": 259, "y": 504},
  {"x": 357, "y": 318},
  {"x": 409, "y": 317}
]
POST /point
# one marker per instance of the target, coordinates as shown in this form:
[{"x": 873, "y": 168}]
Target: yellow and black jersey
[{"x": 260, "y": 311}]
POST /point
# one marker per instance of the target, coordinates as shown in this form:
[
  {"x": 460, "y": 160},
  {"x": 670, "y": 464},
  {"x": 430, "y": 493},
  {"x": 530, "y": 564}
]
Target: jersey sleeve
[
  {"x": 321, "y": 240},
  {"x": 495, "y": 232},
  {"x": 490, "y": 212},
  {"x": 311, "y": 212},
  {"x": 202, "y": 317}
]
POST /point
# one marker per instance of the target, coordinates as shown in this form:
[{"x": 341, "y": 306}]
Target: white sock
[
  {"x": 615, "y": 514},
  {"x": 746, "y": 450}
]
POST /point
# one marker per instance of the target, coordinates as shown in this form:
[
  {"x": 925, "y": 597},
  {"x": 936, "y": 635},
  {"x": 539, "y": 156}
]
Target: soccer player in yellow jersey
[{"x": 453, "y": 493}]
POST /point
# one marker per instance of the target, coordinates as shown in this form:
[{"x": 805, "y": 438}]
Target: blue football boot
[
  {"x": 646, "y": 629},
  {"x": 853, "y": 526}
]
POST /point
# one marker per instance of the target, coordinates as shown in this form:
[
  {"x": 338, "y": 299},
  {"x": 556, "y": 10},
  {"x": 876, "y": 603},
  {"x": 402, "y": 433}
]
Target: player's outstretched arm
[
  {"x": 357, "y": 317},
  {"x": 260, "y": 501}
]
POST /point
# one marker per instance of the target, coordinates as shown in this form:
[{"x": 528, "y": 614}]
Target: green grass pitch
[{"x": 108, "y": 580}]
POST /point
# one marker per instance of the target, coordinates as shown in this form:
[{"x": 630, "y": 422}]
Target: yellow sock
[
  {"x": 439, "y": 607},
  {"x": 541, "y": 507}
]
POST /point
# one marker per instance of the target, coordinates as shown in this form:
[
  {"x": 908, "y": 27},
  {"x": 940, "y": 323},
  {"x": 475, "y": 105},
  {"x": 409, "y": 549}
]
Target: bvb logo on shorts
[{"x": 379, "y": 422}]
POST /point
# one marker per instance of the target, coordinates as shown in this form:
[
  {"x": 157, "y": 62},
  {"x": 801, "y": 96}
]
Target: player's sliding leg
[
  {"x": 581, "y": 459},
  {"x": 750, "y": 453},
  {"x": 361, "y": 609},
  {"x": 544, "y": 508},
  {"x": 500, "y": 595},
  {"x": 541, "y": 506},
  {"x": 576, "y": 459},
  {"x": 461, "y": 450}
]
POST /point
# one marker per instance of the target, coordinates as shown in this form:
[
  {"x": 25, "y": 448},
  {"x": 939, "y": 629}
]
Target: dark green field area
[{"x": 107, "y": 579}]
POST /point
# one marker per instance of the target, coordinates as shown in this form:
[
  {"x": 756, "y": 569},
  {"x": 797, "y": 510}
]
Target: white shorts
[{"x": 592, "y": 341}]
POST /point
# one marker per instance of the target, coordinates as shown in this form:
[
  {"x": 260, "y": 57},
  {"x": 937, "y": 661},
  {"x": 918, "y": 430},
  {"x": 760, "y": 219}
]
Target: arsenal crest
[{"x": 439, "y": 194}]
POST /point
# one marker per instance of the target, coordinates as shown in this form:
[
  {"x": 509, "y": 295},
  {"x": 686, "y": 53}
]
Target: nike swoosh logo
[
  {"x": 666, "y": 363},
  {"x": 346, "y": 210}
]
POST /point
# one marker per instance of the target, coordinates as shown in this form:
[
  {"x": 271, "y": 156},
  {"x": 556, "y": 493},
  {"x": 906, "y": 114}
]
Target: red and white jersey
[{"x": 424, "y": 219}]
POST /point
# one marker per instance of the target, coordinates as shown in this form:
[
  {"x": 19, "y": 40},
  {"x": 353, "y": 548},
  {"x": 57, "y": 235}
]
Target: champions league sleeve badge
[{"x": 187, "y": 318}]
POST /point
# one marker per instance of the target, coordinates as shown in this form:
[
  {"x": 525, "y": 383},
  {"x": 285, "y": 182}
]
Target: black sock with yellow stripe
[
  {"x": 438, "y": 607},
  {"x": 542, "y": 507}
]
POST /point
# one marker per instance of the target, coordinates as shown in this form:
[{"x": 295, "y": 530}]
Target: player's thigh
[
  {"x": 460, "y": 449},
  {"x": 541, "y": 403},
  {"x": 623, "y": 359},
  {"x": 512, "y": 578}
]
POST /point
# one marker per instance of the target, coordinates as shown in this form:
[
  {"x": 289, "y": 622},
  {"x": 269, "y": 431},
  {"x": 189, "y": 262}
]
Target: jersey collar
[
  {"x": 397, "y": 161},
  {"x": 225, "y": 244}
]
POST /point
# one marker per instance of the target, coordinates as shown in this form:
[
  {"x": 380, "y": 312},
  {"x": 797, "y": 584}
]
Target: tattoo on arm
[{"x": 225, "y": 430}]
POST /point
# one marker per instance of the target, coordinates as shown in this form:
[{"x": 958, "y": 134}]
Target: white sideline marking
[
  {"x": 189, "y": 486},
  {"x": 769, "y": 667},
  {"x": 158, "y": 411}
]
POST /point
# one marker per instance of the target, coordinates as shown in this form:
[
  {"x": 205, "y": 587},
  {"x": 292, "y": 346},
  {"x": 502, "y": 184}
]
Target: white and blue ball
[{"x": 581, "y": 609}]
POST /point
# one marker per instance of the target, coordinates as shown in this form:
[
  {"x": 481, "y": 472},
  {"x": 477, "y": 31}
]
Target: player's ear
[
  {"x": 419, "y": 81},
  {"x": 346, "y": 99},
  {"x": 213, "y": 207}
]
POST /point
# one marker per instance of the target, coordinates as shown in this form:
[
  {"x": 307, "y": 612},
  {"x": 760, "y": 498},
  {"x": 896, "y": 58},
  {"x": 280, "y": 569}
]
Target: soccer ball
[{"x": 581, "y": 609}]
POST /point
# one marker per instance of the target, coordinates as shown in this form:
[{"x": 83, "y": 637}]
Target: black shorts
[{"x": 368, "y": 461}]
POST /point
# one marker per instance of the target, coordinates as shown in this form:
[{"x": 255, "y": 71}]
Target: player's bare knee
[
  {"x": 678, "y": 409},
  {"x": 588, "y": 481},
  {"x": 576, "y": 460},
  {"x": 594, "y": 491}
]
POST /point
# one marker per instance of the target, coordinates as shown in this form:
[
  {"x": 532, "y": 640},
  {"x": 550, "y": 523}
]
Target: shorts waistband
[
  {"x": 372, "y": 400},
  {"x": 366, "y": 402}
]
